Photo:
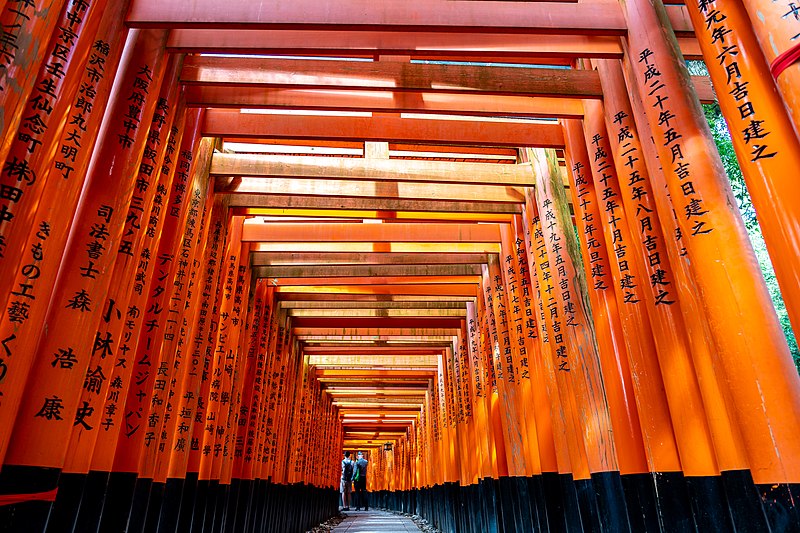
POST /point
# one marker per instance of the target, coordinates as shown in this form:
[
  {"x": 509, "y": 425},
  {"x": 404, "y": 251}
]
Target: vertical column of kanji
[
  {"x": 583, "y": 367},
  {"x": 510, "y": 280},
  {"x": 639, "y": 191},
  {"x": 242, "y": 302},
  {"x": 499, "y": 461},
  {"x": 471, "y": 449},
  {"x": 765, "y": 142},
  {"x": 42, "y": 120},
  {"x": 541, "y": 383},
  {"x": 477, "y": 388},
  {"x": 514, "y": 434},
  {"x": 119, "y": 381},
  {"x": 183, "y": 307},
  {"x": 24, "y": 26},
  {"x": 572, "y": 461},
  {"x": 525, "y": 338},
  {"x": 460, "y": 416},
  {"x": 742, "y": 496},
  {"x": 186, "y": 464},
  {"x": 253, "y": 434},
  {"x": 46, "y": 239},
  {"x": 610, "y": 336},
  {"x": 776, "y": 25},
  {"x": 668, "y": 499},
  {"x": 62, "y": 354},
  {"x": 224, "y": 346},
  {"x": 510, "y": 368},
  {"x": 755, "y": 358},
  {"x": 136, "y": 432},
  {"x": 274, "y": 397},
  {"x": 481, "y": 390},
  {"x": 452, "y": 451},
  {"x": 179, "y": 483},
  {"x": 247, "y": 413},
  {"x": 264, "y": 430},
  {"x": 74, "y": 480}
]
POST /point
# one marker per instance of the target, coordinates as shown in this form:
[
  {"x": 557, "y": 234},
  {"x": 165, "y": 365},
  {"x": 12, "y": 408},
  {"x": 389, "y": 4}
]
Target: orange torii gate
[{"x": 489, "y": 244}]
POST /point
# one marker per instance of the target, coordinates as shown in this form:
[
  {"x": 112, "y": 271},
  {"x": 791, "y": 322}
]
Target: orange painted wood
[
  {"x": 345, "y": 232},
  {"x": 574, "y": 313},
  {"x": 103, "y": 366},
  {"x": 56, "y": 204},
  {"x": 776, "y": 26},
  {"x": 771, "y": 188},
  {"x": 652, "y": 408},
  {"x": 767, "y": 397},
  {"x": 534, "y": 344},
  {"x": 228, "y": 123},
  {"x": 20, "y": 62},
  {"x": 570, "y": 451},
  {"x": 133, "y": 318},
  {"x": 29, "y": 151},
  {"x": 52, "y": 400},
  {"x": 233, "y": 72},
  {"x": 380, "y": 102},
  {"x": 713, "y": 389},
  {"x": 150, "y": 363}
]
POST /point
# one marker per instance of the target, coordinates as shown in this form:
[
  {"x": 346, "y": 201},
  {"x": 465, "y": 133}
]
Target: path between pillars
[{"x": 375, "y": 522}]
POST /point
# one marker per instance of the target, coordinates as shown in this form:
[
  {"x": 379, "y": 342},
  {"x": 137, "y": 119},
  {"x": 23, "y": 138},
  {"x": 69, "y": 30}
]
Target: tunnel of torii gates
[{"x": 490, "y": 244}]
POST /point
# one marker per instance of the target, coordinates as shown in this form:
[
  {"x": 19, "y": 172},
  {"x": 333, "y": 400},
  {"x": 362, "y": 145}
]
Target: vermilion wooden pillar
[
  {"x": 107, "y": 365},
  {"x": 52, "y": 400},
  {"x": 729, "y": 449},
  {"x": 669, "y": 496},
  {"x": 777, "y": 26},
  {"x": 690, "y": 397},
  {"x": 761, "y": 130},
  {"x": 22, "y": 22},
  {"x": 30, "y": 153},
  {"x": 582, "y": 357},
  {"x": 747, "y": 335},
  {"x": 573, "y": 465},
  {"x": 45, "y": 238},
  {"x": 147, "y": 361}
]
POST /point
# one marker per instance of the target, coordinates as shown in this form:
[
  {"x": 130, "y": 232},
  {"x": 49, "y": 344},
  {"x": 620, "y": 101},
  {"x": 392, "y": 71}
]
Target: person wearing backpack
[
  {"x": 346, "y": 485},
  {"x": 360, "y": 482}
]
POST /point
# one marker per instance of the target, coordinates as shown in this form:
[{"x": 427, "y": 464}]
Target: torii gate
[{"x": 492, "y": 244}]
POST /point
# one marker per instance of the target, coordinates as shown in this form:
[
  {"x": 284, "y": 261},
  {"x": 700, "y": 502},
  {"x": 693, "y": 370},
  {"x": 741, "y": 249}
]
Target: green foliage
[{"x": 722, "y": 137}]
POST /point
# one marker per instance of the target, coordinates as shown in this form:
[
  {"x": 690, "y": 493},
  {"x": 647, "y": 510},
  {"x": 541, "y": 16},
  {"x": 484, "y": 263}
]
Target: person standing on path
[
  {"x": 346, "y": 485},
  {"x": 360, "y": 482}
]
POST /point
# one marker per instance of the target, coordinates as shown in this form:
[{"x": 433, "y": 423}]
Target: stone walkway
[{"x": 375, "y": 522}]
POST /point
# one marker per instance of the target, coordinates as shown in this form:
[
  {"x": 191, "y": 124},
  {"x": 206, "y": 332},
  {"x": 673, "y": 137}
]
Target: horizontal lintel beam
[
  {"x": 347, "y": 168},
  {"x": 233, "y": 123},
  {"x": 585, "y": 18},
  {"x": 345, "y": 271},
  {"x": 255, "y": 230},
  {"x": 385, "y": 205}
]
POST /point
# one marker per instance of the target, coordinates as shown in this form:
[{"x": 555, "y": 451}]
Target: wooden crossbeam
[
  {"x": 279, "y": 166},
  {"x": 380, "y": 280},
  {"x": 585, "y": 18},
  {"x": 453, "y": 289},
  {"x": 485, "y": 47},
  {"x": 389, "y": 75},
  {"x": 391, "y": 313},
  {"x": 365, "y": 271},
  {"x": 233, "y": 123},
  {"x": 349, "y": 260},
  {"x": 319, "y": 84},
  {"x": 373, "y": 189},
  {"x": 381, "y": 102},
  {"x": 386, "y": 205},
  {"x": 365, "y": 247},
  {"x": 353, "y": 232}
]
